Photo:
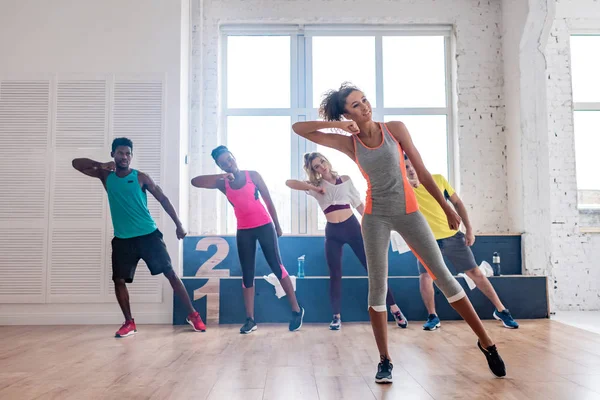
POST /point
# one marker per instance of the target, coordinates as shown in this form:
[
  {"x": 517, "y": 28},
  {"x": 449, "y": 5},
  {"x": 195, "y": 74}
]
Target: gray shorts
[{"x": 455, "y": 249}]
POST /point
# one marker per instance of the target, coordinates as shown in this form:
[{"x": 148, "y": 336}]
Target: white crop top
[{"x": 343, "y": 193}]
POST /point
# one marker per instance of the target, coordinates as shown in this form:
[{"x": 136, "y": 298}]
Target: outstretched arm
[
  {"x": 212, "y": 181},
  {"x": 92, "y": 168},
  {"x": 148, "y": 183},
  {"x": 311, "y": 130},
  {"x": 264, "y": 193},
  {"x": 399, "y": 131},
  {"x": 304, "y": 186}
]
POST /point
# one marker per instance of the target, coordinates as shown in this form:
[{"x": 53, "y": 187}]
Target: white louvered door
[
  {"x": 55, "y": 227},
  {"x": 137, "y": 114},
  {"x": 77, "y": 202},
  {"x": 24, "y": 160}
]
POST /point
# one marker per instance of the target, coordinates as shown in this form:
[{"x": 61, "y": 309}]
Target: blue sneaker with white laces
[
  {"x": 506, "y": 318},
  {"x": 433, "y": 322}
]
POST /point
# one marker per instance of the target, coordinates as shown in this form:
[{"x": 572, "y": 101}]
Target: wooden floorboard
[{"x": 545, "y": 360}]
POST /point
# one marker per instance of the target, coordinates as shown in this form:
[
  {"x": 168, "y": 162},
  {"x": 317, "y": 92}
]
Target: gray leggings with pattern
[{"x": 416, "y": 233}]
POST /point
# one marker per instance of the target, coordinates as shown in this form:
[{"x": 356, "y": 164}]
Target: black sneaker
[
  {"x": 296, "y": 322},
  {"x": 494, "y": 360},
  {"x": 249, "y": 326},
  {"x": 384, "y": 371}
]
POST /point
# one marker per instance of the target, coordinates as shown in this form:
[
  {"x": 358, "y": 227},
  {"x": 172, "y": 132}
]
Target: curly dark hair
[
  {"x": 334, "y": 102},
  {"x": 122, "y": 141}
]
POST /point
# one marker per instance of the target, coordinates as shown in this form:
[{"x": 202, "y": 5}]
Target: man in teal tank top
[{"x": 136, "y": 234}]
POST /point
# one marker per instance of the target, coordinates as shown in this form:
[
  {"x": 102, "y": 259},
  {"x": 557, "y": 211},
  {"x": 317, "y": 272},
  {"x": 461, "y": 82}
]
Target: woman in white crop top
[{"x": 337, "y": 196}]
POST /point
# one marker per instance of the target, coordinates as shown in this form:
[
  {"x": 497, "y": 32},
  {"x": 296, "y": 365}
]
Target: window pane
[
  {"x": 585, "y": 64},
  {"x": 414, "y": 71},
  {"x": 587, "y": 143},
  {"x": 429, "y": 134},
  {"x": 337, "y": 59},
  {"x": 343, "y": 165},
  {"x": 258, "y": 71},
  {"x": 258, "y": 154}
]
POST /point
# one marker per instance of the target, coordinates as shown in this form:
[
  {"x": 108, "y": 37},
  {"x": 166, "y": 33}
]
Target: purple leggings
[{"x": 336, "y": 235}]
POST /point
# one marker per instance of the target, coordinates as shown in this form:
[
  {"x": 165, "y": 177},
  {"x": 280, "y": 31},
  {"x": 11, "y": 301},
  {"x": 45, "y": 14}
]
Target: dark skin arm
[
  {"x": 92, "y": 168},
  {"x": 264, "y": 193},
  {"x": 148, "y": 184},
  {"x": 212, "y": 181},
  {"x": 400, "y": 133}
]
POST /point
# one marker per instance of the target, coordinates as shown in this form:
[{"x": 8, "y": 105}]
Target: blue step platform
[{"x": 212, "y": 277}]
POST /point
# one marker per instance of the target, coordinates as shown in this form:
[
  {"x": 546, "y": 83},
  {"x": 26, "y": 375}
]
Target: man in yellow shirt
[{"x": 454, "y": 245}]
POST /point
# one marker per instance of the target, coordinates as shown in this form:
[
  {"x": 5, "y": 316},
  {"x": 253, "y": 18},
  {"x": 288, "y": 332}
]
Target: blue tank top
[{"x": 128, "y": 206}]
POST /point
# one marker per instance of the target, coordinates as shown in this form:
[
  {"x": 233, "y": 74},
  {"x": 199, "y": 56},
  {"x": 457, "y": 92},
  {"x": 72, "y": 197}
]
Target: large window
[
  {"x": 585, "y": 64},
  {"x": 277, "y": 76}
]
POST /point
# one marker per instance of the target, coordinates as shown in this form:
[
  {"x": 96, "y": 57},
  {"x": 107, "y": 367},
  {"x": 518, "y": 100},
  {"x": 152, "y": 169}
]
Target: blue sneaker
[
  {"x": 433, "y": 322},
  {"x": 506, "y": 318}
]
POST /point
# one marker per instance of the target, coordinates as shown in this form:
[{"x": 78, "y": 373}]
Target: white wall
[
  {"x": 90, "y": 37},
  {"x": 479, "y": 86},
  {"x": 575, "y": 256},
  {"x": 541, "y": 162},
  {"x": 514, "y": 15}
]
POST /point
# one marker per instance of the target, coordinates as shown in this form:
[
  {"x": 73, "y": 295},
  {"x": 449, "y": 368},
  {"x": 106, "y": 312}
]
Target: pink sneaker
[
  {"x": 127, "y": 329},
  {"x": 195, "y": 321}
]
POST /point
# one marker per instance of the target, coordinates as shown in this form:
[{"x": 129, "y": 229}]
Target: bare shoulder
[
  {"x": 145, "y": 179},
  {"x": 396, "y": 126},
  {"x": 254, "y": 175}
]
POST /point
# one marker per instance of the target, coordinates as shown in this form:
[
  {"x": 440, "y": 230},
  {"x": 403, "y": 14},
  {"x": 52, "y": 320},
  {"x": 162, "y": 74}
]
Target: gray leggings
[{"x": 418, "y": 236}]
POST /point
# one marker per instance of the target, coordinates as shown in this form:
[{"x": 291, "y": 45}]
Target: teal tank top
[{"x": 128, "y": 206}]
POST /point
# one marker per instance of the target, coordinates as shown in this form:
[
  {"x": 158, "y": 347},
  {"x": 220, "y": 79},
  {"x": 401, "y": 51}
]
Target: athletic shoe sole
[
  {"x": 335, "y": 328},
  {"x": 403, "y": 326},
  {"x": 301, "y": 320},
  {"x": 384, "y": 380},
  {"x": 131, "y": 333},
  {"x": 434, "y": 328},
  {"x": 506, "y": 326},
  {"x": 250, "y": 331},
  {"x": 193, "y": 327}
]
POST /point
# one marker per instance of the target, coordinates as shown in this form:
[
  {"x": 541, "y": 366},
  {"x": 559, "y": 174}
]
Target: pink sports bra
[{"x": 249, "y": 210}]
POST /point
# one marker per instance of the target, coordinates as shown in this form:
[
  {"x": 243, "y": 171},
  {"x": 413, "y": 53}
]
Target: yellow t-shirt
[{"x": 432, "y": 211}]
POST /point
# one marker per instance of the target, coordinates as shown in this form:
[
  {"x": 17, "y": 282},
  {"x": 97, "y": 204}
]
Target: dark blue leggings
[
  {"x": 336, "y": 235},
  {"x": 246, "y": 243}
]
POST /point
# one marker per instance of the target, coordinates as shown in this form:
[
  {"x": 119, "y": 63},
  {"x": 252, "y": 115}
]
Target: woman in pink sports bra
[{"x": 244, "y": 189}]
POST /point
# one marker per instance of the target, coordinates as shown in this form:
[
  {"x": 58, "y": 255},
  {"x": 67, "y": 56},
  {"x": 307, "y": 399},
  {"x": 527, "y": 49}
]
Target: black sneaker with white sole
[
  {"x": 336, "y": 324},
  {"x": 384, "y": 371},
  {"x": 249, "y": 326},
  {"x": 494, "y": 360},
  {"x": 296, "y": 322}
]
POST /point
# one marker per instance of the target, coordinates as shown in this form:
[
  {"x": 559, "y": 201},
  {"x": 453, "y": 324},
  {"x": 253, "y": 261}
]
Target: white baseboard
[{"x": 83, "y": 318}]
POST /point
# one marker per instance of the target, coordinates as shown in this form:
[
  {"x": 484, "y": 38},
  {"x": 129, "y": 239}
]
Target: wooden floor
[{"x": 545, "y": 360}]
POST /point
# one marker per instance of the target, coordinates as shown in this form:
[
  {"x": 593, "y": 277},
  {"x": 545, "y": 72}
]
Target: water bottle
[
  {"x": 301, "y": 266},
  {"x": 496, "y": 262}
]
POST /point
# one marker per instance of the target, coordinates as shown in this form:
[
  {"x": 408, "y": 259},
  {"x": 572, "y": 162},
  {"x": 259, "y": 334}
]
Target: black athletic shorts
[{"x": 126, "y": 253}]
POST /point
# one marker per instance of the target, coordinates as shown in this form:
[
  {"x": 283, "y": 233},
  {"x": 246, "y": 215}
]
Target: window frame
[
  {"x": 304, "y": 211},
  {"x": 582, "y": 107}
]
